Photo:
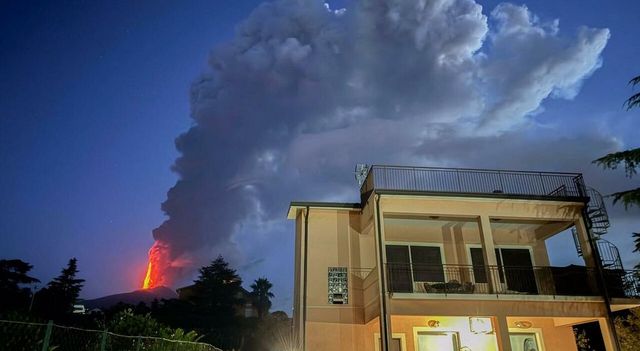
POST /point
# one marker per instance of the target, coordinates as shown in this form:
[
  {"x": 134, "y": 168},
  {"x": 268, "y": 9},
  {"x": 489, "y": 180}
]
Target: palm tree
[{"x": 261, "y": 292}]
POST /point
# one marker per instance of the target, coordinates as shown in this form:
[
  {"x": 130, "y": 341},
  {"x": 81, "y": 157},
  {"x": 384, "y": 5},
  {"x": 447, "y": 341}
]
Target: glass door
[
  {"x": 399, "y": 268},
  {"x": 524, "y": 342},
  {"x": 438, "y": 341}
]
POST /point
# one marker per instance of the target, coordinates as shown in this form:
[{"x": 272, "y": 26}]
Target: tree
[
  {"x": 628, "y": 328},
  {"x": 13, "y": 277},
  {"x": 217, "y": 293},
  {"x": 261, "y": 293},
  {"x": 631, "y": 161},
  {"x": 634, "y": 100},
  {"x": 630, "y": 158},
  {"x": 57, "y": 299}
]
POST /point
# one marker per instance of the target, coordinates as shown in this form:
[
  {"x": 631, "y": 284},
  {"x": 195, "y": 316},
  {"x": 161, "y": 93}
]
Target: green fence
[{"x": 22, "y": 336}]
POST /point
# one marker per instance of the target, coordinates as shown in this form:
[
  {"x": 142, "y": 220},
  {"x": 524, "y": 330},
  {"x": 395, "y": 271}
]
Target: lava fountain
[{"x": 158, "y": 263}]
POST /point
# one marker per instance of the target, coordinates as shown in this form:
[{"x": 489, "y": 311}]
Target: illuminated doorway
[{"x": 438, "y": 341}]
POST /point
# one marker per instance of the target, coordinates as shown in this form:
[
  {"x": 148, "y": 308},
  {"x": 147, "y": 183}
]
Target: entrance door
[
  {"x": 518, "y": 270},
  {"x": 438, "y": 341}
]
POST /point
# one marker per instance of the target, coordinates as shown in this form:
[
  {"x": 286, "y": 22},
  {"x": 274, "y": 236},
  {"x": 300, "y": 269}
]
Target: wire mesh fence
[{"x": 24, "y": 336}]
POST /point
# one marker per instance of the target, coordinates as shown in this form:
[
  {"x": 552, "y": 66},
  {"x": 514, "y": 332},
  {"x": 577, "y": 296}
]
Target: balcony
[
  {"x": 545, "y": 281},
  {"x": 474, "y": 182}
]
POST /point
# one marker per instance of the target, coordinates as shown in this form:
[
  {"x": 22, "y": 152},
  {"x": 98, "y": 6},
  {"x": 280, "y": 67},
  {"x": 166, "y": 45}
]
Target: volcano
[{"x": 132, "y": 298}]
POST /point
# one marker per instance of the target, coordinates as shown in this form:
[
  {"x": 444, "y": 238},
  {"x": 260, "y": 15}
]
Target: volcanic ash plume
[{"x": 303, "y": 92}]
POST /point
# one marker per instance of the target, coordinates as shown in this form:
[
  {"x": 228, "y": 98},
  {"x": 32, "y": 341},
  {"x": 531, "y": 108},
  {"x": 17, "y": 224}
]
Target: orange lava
[
  {"x": 157, "y": 263},
  {"x": 147, "y": 278}
]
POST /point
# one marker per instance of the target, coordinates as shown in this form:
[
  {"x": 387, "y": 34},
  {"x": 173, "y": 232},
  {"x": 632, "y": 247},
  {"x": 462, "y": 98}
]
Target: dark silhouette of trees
[
  {"x": 57, "y": 299},
  {"x": 217, "y": 293},
  {"x": 631, "y": 161},
  {"x": 13, "y": 278},
  {"x": 629, "y": 158},
  {"x": 261, "y": 293}
]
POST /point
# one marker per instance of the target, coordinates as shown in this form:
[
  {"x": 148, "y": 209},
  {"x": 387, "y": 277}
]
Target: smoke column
[{"x": 303, "y": 92}]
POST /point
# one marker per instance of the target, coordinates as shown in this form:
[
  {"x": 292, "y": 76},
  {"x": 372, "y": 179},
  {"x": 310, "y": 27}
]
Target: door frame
[
  {"x": 536, "y": 331},
  {"x": 436, "y": 331}
]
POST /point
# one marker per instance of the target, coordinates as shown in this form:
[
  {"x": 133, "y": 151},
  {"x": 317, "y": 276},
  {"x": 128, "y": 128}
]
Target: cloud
[{"x": 303, "y": 92}]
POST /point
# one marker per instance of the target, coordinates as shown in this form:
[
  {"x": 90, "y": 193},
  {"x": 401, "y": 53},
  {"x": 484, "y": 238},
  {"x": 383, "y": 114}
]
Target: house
[{"x": 456, "y": 259}]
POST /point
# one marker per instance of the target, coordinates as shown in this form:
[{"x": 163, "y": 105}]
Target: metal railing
[
  {"x": 547, "y": 185},
  {"x": 467, "y": 279},
  {"x": 622, "y": 284}
]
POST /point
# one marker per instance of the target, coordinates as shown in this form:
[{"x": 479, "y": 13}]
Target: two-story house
[{"x": 455, "y": 259}]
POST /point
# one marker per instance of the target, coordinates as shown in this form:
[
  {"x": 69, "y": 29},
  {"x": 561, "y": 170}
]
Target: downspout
[
  {"x": 384, "y": 336},
  {"x": 601, "y": 280},
  {"x": 304, "y": 278}
]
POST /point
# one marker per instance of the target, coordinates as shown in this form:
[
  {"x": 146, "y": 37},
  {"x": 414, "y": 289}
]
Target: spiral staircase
[{"x": 598, "y": 223}]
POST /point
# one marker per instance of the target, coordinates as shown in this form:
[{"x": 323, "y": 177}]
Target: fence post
[
  {"x": 47, "y": 336},
  {"x": 138, "y": 344},
  {"x": 103, "y": 342}
]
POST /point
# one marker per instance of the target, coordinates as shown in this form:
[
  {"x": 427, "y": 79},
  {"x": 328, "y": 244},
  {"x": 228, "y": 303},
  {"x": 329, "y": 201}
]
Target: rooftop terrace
[{"x": 474, "y": 182}]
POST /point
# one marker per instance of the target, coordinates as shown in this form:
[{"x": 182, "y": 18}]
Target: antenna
[{"x": 361, "y": 172}]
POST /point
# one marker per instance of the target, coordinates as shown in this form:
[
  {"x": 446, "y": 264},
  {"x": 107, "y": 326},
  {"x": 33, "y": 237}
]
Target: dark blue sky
[{"x": 93, "y": 95}]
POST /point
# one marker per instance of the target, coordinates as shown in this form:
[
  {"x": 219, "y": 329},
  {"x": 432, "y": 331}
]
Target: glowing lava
[
  {"x": 157, "y": 264},
  {"x": 147, "y": 278}
]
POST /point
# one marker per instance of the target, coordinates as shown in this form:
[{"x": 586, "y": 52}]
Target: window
[
  {"x": 338, "y": 285},
  {"x": 413, "y": 263},
  {"x": 477, "y": 260},
  {"x": 427, "y": 264},
  {"x": 515, "y": 267}
]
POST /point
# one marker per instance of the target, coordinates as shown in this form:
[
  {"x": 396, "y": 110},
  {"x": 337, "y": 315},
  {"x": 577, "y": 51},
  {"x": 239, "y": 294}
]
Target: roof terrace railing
[{"x": 498, "y": 183}]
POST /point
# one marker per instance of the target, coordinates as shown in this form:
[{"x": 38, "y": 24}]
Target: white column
[
  {"x": 583, "y": 238},
  {"x": 489, "y": 254}
]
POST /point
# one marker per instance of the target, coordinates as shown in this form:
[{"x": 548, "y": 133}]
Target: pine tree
[
  {"x": 217, "y": 293},
  {"x": 261, "y": 293},
  {"x": 13, "y": 278},
  {"x": 57, "y": 299},
  {"x": 629, "y": 158}
]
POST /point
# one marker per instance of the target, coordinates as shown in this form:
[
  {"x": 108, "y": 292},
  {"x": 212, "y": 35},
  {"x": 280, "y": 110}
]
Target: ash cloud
[{"x": 303, "y": 92}]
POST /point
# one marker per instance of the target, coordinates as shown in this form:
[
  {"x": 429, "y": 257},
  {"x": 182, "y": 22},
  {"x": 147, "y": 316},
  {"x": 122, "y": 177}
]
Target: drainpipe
[
  {"x": 304, "y": 278},
  {"x": 601, "y": 280},
  {"x": 384, "y": 328}
]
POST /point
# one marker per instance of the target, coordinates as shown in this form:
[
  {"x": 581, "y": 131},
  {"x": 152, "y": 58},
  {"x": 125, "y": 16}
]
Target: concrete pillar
[
  {"x": 502, "y": 333},
  {"x": 489, "y": 254},
  {"x": 607, "y": 335},
  {"x": 583, "y": 238}
]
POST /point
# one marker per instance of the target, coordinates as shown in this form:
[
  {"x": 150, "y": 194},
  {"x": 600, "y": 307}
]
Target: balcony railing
[
  {"x": 623, "y": 284},
  {"x": 467, "y": 279},
  {"x": 498, "y": 183}
]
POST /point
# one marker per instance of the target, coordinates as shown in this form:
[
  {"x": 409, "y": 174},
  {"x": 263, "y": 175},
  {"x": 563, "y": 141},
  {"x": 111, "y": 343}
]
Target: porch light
[
  {"x": 523, "y": 324},
  {"x": 480, "y": 325}
]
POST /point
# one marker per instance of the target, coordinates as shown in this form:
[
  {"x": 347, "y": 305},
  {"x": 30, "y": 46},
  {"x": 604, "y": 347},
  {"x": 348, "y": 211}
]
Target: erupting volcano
[{"x": 158, "y": 260}]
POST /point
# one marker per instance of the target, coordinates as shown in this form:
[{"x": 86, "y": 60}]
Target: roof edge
[{"x": 297, "y": 205}]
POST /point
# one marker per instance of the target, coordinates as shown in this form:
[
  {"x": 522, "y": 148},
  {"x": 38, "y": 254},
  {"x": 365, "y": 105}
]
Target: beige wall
[{"x": 346, "y": 238}]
